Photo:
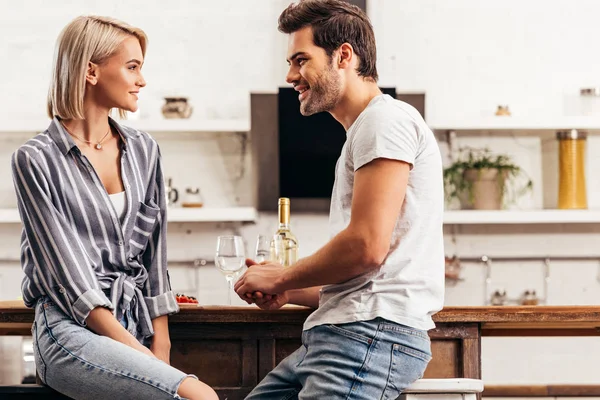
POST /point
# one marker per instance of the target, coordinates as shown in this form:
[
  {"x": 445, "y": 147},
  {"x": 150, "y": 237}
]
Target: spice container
[
  {"x": 453, "y": 268},
  {"x": 172, "y": 194},
  {"x": 192, "y": 198},
  {"x": 572, "y": 192},
  {"x": 590, "y": 101},
  {"x": 530, "y": 298},
  {"x": 499, "y": 298},
  {"x": 503, "y": 111},
  {"x": 177, "y": 107}
]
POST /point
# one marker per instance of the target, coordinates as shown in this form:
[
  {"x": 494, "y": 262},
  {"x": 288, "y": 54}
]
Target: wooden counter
[
  {"x": 493, "y": 319},
  {"x": 233, "y": 348}
]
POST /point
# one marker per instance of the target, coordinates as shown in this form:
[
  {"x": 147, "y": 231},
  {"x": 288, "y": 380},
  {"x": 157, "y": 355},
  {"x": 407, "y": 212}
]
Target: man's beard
[{"x": 323, "y": 94}]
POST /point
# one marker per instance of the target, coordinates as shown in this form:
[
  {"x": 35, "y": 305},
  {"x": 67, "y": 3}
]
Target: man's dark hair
[{"x": 335, "y": 22}]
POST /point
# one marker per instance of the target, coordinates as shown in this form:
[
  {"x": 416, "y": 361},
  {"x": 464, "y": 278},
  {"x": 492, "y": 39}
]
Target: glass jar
[
  {"x": 572, "y": 192},
  {"x": 172, "y": 194},
  {"x": 176, "y": 107},
  {"x": 590, "y": 101},
  {"x": 192, "y": 198},
  {"x": 498, "y": 298},
  {"x": 530, "y": 298}
]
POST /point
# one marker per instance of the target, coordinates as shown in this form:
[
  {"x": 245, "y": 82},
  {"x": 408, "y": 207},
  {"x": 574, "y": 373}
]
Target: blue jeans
[
  {"x": 75, "y": 361},
  {"x": 367, "y": 360}
]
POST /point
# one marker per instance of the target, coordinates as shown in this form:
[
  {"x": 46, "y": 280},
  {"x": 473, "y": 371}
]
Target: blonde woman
[{"x": 92, "y": 202}]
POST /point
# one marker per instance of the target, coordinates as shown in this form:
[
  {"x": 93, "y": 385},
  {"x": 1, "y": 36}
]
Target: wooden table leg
[
  {"x": 471, "y": 357},
  {"x": 456, "y": 349}
]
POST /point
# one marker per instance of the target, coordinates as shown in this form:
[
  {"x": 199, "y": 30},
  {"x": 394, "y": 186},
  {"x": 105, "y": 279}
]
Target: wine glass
[
  {"x": 263, "y": 249},
  {"x": 230, "y": 258}
]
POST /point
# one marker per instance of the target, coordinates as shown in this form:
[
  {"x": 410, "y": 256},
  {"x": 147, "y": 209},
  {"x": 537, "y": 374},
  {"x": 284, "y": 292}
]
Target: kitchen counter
[
  {"x": 247, "y": 342},
  {"x": 493, "y": 321}
]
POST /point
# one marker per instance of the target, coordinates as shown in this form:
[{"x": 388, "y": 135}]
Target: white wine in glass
[{"x": 230, "y": 259}]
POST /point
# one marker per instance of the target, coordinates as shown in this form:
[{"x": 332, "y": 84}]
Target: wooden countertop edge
[
  {"x": 541, "y": 390},
  {"x": 519, "y": 313},
  {"x": 514, "y": 317}
]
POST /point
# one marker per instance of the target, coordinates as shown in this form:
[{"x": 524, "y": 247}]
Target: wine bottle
[{"x": 284, "y": 245}]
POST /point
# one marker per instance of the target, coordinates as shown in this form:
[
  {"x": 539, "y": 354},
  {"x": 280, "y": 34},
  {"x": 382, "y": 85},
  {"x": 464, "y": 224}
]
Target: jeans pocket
[
  {"x": 407, "y": 365},
  {"x": 143, "y": 226},
  {"x": 346, "y": 330},
  {"x": 404, "y": 330},
  {"x": 51, "y": 315},
  {"x": 40, "y": 365}
]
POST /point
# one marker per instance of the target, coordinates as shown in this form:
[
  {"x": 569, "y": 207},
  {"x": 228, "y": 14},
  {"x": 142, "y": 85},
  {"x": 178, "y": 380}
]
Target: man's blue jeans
[{"x": 365, "y": 360}]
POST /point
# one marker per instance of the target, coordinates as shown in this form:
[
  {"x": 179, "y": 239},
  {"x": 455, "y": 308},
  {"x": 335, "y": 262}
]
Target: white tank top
[{"x": 118, "y": 200}]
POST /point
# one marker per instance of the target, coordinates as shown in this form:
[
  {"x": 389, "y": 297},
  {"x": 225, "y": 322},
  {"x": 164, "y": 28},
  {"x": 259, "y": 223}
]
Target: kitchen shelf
[
  {"x": 212, "y": 214},
  {"x": 204, "y": 214},
  {"x": 190, "y": 125},
  {"x": 146, "y": 125},
  {"x": 459, "y": 217},
  {"x": 477, "y": 217},
  {"x": 9, "y": 216},
  {"x": 504, "y": 123}
]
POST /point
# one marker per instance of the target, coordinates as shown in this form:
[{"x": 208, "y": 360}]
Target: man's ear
[
  {"x": 345, "y": 56},
  {"x": 91, "y": 75}
]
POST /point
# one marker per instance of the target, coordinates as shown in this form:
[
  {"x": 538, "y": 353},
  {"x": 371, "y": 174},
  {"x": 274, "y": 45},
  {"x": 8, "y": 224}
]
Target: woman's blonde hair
[{"x": 86, "y": 39}]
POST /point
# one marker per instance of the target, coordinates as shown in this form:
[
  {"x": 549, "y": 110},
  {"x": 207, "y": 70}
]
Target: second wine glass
[{"x": 263, "y": 249}]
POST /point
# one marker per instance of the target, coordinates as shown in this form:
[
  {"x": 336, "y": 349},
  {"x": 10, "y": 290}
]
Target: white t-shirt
[
  {"x": 408, "y": 288},
  {"x": 118, "y": 200}
]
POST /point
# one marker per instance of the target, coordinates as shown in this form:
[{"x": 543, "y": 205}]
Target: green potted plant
[{"x": 481, "y": 180}]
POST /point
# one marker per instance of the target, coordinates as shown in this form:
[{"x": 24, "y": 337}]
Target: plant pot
[
  {"x": 464, "y": 198},
  {"x": 487, "y": 189}
]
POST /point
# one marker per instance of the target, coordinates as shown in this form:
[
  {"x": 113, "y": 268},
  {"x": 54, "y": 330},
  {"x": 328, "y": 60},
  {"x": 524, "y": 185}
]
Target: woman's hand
[
  {"x": 136, "y": 345},
  {"x": 161, "y": 342},
  {"x": 161, "y": 350},
  {"x": 102, "y": 321}
]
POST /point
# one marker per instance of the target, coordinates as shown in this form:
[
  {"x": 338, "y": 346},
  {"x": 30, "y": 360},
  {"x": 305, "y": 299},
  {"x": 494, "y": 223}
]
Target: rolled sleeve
[
  {"x": 163, "y": 304},
  {"x": 88, "y": 301}
]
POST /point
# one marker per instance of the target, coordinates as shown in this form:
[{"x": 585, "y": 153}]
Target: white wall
[
  {"x": 467, "y": 55},
  {"x": 215, "y": 52}
]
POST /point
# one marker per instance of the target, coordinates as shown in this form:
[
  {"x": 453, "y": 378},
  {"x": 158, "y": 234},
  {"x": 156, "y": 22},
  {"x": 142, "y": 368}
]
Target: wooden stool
[
  {"x": 29, "y": 392},
  {"x": 444, "y": 389}
]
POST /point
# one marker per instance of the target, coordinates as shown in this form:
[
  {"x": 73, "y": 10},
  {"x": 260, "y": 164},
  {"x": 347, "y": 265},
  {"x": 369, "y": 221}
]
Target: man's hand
[
  {"x": 308, "y": 297},
  {"x": 260, "y": 282},
  {"x": 268, "y": 302},
  {"x": 250, "y": 297}
]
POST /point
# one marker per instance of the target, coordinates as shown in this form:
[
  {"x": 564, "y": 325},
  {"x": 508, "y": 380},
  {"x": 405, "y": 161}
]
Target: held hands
[
  {"x": 267, "y": 302},
  {"x": 259, "y": 286}
]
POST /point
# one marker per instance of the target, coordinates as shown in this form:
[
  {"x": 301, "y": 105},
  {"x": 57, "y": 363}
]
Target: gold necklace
[{"x": 98, "y": 145}]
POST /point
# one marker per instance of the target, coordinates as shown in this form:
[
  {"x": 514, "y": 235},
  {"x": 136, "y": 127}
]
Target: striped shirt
[{"x": 74, "y": 248}]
